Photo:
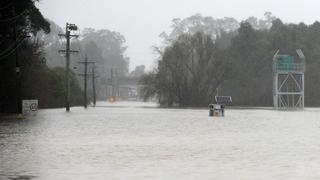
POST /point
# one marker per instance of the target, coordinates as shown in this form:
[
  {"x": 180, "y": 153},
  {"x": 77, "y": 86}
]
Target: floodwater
[{"x": 139, "y": 141}]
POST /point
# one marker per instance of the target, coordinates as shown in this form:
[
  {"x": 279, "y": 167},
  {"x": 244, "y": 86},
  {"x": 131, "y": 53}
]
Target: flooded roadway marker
[{"x": 218, "y": 108}]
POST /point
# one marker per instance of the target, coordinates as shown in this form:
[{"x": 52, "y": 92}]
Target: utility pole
[
  {"x": 17, "y": 68},
  {"x": 68, "y": 36},
  {"x": 112, "y": 84},
  {"x": 18, "y": 38},
  {"x": 93, "y": 86},
  {"x": 18, "y": 74},
  {"x": 85, "y": 79},
  {"x": 10, "y": 31}
]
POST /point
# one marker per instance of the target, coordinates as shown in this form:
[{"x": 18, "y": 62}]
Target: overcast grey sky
[{"x": 141, "y": 21}]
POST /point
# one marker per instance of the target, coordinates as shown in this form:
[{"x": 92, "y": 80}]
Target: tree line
[
  {"x": 197, "y": 65},
  {"x": 23, "y": 69},
  {"x": 104, "y": 47},
  {"x": 32, "y": 68}
]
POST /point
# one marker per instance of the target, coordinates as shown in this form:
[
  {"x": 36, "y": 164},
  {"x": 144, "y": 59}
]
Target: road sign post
[{"x": 30, "y": 107}]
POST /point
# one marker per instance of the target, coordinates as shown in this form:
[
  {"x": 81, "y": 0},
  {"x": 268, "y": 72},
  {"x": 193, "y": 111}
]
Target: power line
[
  {"x": 67, "y": 51},
  {"x": 85, "y": 78},
  {"x": 12, "y": 51},
  {"x": 94, "y": 86},
  {"x": 12, "y": 45},
  {"x": 18, "y": 40},
  {"x": 93, "y": 76},
  {"x": 13, "y": 18},
  {"x": 5, "y": 6}
]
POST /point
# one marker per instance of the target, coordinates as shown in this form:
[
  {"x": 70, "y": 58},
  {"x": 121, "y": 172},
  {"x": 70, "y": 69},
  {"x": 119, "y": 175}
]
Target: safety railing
[{"x": 288, "y": 67}]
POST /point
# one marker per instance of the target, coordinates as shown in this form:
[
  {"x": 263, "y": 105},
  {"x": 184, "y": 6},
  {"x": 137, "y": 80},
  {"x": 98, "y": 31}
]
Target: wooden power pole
[
  {"x": 67, "y": 51},
  {"x": 94, "y": 86},
  {"x": 85, "y": 79}
]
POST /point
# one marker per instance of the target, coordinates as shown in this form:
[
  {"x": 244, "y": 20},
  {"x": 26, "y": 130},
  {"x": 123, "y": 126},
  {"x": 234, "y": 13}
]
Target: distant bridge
[{"x": 126, "y": 88}]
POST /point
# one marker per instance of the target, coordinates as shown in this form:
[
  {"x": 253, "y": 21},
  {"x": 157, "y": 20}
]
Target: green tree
[
  {"x": 112, "y": 46},
  {"x": 188, "y": 72},
  {"x": 45, "y": 84},
  {"x": 245, "y": 58},
  {"x": 19, "y": 18}
]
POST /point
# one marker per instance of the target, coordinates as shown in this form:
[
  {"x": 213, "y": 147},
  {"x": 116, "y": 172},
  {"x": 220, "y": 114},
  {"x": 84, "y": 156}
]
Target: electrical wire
[
  {"x": 13, "y": 50},
  {"x": 5, "y": 6},
  {"x": 1, "y": 41},
  {"x": 12, "y": 45},
  {"x": 13, "y": 18}
]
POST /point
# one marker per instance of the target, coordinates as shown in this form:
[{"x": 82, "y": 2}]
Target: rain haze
[
  {"x": 159, "y": 89},
  {"x": 142, "y": 21}
]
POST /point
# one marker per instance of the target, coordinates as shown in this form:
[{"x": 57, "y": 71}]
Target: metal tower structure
[{"x": 288, "y": 81}]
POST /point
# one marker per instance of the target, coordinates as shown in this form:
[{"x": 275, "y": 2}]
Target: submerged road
[{"x": 139, "y": 141}]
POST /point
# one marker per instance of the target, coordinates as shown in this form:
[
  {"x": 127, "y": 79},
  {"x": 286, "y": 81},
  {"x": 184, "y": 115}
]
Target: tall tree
[
  {"x": 112, "y": 45},
  {"x": 18, "y": 19},
  {"x": 188, "y": 72},
  {"x": 246, "y": 63}
]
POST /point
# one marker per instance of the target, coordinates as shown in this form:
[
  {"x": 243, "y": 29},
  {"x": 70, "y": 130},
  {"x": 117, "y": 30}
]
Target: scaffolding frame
[{"x": 288, "y": 82}]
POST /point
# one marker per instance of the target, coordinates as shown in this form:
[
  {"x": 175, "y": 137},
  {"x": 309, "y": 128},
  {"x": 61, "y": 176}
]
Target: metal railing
[{"x": 288, "y": 67}]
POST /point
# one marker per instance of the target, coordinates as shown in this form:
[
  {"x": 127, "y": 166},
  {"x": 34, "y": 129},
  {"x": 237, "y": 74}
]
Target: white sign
[
  {"x": 217, "y": 106},
  {"x": 30, "y": 107}
]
